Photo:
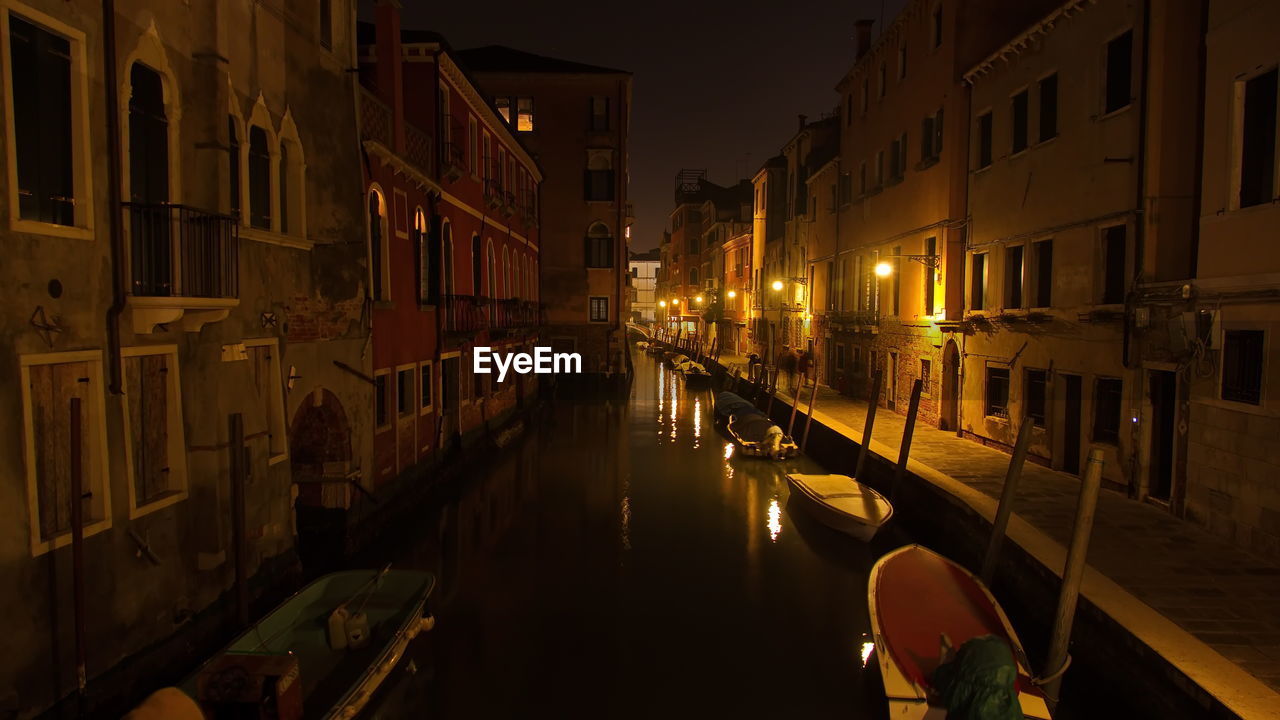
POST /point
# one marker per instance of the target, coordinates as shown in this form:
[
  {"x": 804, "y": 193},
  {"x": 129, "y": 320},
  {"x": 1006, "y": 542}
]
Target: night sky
[{"x": 717, "y": 83}]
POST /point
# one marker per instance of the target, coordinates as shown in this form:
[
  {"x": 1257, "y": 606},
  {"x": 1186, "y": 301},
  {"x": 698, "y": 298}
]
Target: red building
[{"x": 452, "y": 200}]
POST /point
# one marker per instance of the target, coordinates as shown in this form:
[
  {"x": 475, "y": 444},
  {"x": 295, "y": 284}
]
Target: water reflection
[{"x": 775, "y": 520}]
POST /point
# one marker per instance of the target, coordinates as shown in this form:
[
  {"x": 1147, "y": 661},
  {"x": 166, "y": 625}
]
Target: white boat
[
  {"x": 916, "y": 596},
  {"x": 842, "y": 503}
]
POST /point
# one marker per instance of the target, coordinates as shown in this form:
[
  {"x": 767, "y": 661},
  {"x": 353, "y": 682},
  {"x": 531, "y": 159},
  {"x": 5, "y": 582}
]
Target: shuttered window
[{"x": 42, "y": 122}]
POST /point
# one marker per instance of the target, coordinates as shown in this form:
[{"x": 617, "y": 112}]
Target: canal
[{"x": 619, "y": 560}]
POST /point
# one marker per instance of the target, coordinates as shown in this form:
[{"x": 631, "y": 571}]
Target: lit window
[
  {"x": 524, "y": 114},
  {"x": 997, "y": 401},
  {"x": 503, "y": 106}
]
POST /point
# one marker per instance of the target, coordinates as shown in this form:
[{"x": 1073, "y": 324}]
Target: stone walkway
[{"x": 1214, "y": 591}]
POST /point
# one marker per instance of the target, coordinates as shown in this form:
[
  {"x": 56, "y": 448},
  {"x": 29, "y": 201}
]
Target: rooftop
[{"x": 499, "y": 58}]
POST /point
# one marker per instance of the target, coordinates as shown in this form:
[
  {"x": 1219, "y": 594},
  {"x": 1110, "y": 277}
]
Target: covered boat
[
  {"x": 751, "y": 429},
  {"x": 695, "y": 376},
  {"x": 916, "y": 597},
  {"x": 295, "y": 640},
  {"x": 842, "y": 503}
]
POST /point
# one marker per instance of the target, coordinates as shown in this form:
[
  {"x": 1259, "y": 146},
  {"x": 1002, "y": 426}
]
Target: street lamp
[
  {"x": 884, "y": 269},
  {"x": 777, "y": 284},
  {"x": 733, "y": 294},
  {"x": 698, "y": 299},
  {"x": 675, "y": 301},
  {"x": 662, "y": 303}
]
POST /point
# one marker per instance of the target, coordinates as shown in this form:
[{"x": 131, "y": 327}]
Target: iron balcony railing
[
  {"x": 182, "y": 251},
  {"x": 514, "y": 313},
  {"x": 465, "y": 313}
]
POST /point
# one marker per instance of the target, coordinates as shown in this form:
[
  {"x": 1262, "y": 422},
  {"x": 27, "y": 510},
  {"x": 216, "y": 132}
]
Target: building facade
[
  {"x": 575, "y": 120},
  {"x": 644, "y": 279},
  {"x": 201, "y": 193}
]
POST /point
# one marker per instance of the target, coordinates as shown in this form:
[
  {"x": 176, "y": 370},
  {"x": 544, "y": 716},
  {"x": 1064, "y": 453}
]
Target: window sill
[
  {"x": 171, "y": 498},
  {"x": 928, "y": 162},
  {"x": 37, "y": 227},
  {"x": 1045, "y": 141},
  {"x": 1001, "y": 419},
  {"x": 39, "y": 547},
  {"x": 983, "y": 169},
  {"x": 381, "y": 429},
  {"x": 277, "y": 459},
  {"x": 1116, "y": 112},
  {"x": 1018, "y": 153},
  {"x": 1112, "y": 307},
  {"x": 427, "y": 308},
  {"x": 422, "y": 412}
]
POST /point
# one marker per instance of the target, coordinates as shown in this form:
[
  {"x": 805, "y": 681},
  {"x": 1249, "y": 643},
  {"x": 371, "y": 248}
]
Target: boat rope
[{"x": 1046, "y": 679}]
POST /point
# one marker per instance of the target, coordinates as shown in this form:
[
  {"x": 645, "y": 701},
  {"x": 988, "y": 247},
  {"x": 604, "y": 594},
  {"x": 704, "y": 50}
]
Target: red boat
[{"x": 916, "y": 596}]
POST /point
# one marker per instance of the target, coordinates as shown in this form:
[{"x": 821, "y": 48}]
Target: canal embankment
[{"x": 1152, "y": 584}]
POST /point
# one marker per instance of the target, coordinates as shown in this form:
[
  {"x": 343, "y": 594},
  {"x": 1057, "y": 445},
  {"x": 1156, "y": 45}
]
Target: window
[
  {"x": 149, "y": 155},
  {"x": 599, "y": 176},
  {"x": 382, "y": 400},
  {"x": 233, "y": 164},
  {"x": 326, "y": 24},
  {"x": 1119, "y": 78},
  {"x": 902, "y": 62},
  {"x": 866, "y": 90},
  {"x": 449, "y": 384},
  {"x": 524, "y": 114},
  {"x": 1019, "y": 123},
  {"x": 839, "y": 356},
  {"x": 931, "y": 137},
  {"x": 155, "y": 447},
  {"x": 446, "y": 263},
  {"x": 997, "y": 392},
  {"x": 599, "y": 309},
  {"x": 897, "y": 158},
  {"x": 1258, "y": 144},
  {"x": 599, "y": 252},
  {"x": 477, "y": 266},
  {"x": 379, "y": 275},
  {"x": 1242, "y": 366},
  {"x": 848, "y": 110},
  {"x": 926, "y": 376},
  {"x": 503, "y": 106},
  {"x": 1013, "y": 272},
  {"x": 884, "y": 80},
  {"x": 895, "y": 280},
  {"x": 446, "y": 116},
  {"x": 879, "y": 169},
  {"x": 472, "y": 156},
  {"x": 268, "y": 393},
  {"x": 930, "y": 275},
  {"x": 259, "y": 179},
  {"x": 1042, "y": 257},
  {"x": 49, "y": 383},
  {"x": 404, "y": 392},
  {"x": 486, "y": 171},
  {"x": 419, "y": 237},
  {"x": 984, "y": 140},
  {"x": 937, "y": 26},
  {"x": 599, "y": 108},
  {"x": 1036, "y": 391},
  {"x": 42, "y": 116},
  {"x": 1106, "y": 410},
  {"x": 1114, "y": 251},
  {"x": 978, "y": 288},
  {"x": 284, "y": 187},
  {"x": 1048, "y": 107}
]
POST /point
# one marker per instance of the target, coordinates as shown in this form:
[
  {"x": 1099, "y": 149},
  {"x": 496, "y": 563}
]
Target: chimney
[
  {"x": 862, "y": 31},
  {"x": 803, "y": 119},
  {"x": 390, "y": 69}
]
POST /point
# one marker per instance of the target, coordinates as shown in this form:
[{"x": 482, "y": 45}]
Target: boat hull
[
  {"x": 916, "y": 595},
  {"x": 859, "y": 512}
]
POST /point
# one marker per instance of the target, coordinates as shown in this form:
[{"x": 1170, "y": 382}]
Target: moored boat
[
  {"x": 695, "y": 376},
  {"x": 916, "y": 597},
  {"x": 389, "y": 609},
  {"x": 842, "y": 503},
  {"x": 753, "y": 432}
]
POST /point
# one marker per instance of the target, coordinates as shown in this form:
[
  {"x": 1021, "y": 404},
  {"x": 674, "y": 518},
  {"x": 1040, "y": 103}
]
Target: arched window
[
  {"x": 419, "y": 238},
  {"x": 149, "y": 183},
  {"x": 493, "y": 282},
  {"x": 284, "y": 187},
  {"x": 507, "y": 290},
  {"x": 599, "y": 247},
  {"x": 380, "y": 281},
  {"x": 259, "y": 178},
  {"x": 693, "y": 276},
  {"x": 233, "y": 157}
]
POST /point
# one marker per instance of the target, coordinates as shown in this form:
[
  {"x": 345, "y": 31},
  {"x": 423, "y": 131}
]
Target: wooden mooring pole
[
  {"x": 808, "y": 420},
  {"x": 871, "y": 421},
  {"x": 238, "y": 520},
  {"x": 77, "y": 558},
  {"x": 907, "y": 431},
  {"x": 1072, "y": 575},
  {"x": 1007, "y": 495}
]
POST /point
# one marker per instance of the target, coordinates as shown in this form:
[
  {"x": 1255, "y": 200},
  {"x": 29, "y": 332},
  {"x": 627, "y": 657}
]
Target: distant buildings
[
  {"x": 1043, "y": 216},
  {"x": 575, "y": 120},
  {"x": 643, "y": 285}
]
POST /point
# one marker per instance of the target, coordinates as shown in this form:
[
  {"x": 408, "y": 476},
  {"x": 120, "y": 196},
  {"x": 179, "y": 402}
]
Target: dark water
[{"x": 619, "y": 561}]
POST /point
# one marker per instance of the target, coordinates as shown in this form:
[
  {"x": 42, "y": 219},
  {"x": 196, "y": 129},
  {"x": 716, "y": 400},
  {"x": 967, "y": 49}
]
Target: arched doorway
[
  {"x": 320, "y": 455},
  {"x": 949, "y": 417}
]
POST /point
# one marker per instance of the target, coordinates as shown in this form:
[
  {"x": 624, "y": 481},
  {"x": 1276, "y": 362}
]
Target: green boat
[{"x": 338, "y": 683}]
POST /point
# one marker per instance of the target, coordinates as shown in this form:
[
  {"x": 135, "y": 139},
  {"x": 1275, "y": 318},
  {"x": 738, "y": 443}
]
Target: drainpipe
[
  {"x": 115, "y": 224},
  {"x": 1141, "y": 219}
]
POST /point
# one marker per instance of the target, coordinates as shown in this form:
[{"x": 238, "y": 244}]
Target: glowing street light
[
  {"x": 733, "y": 294},
  {"x": 675, "y": 301},
  {"x": 662, "y": 303},
  {"x": 698, "y": 299},
  {"x": 884, "y": 269},
  {"x": 777, "y": 284}
]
